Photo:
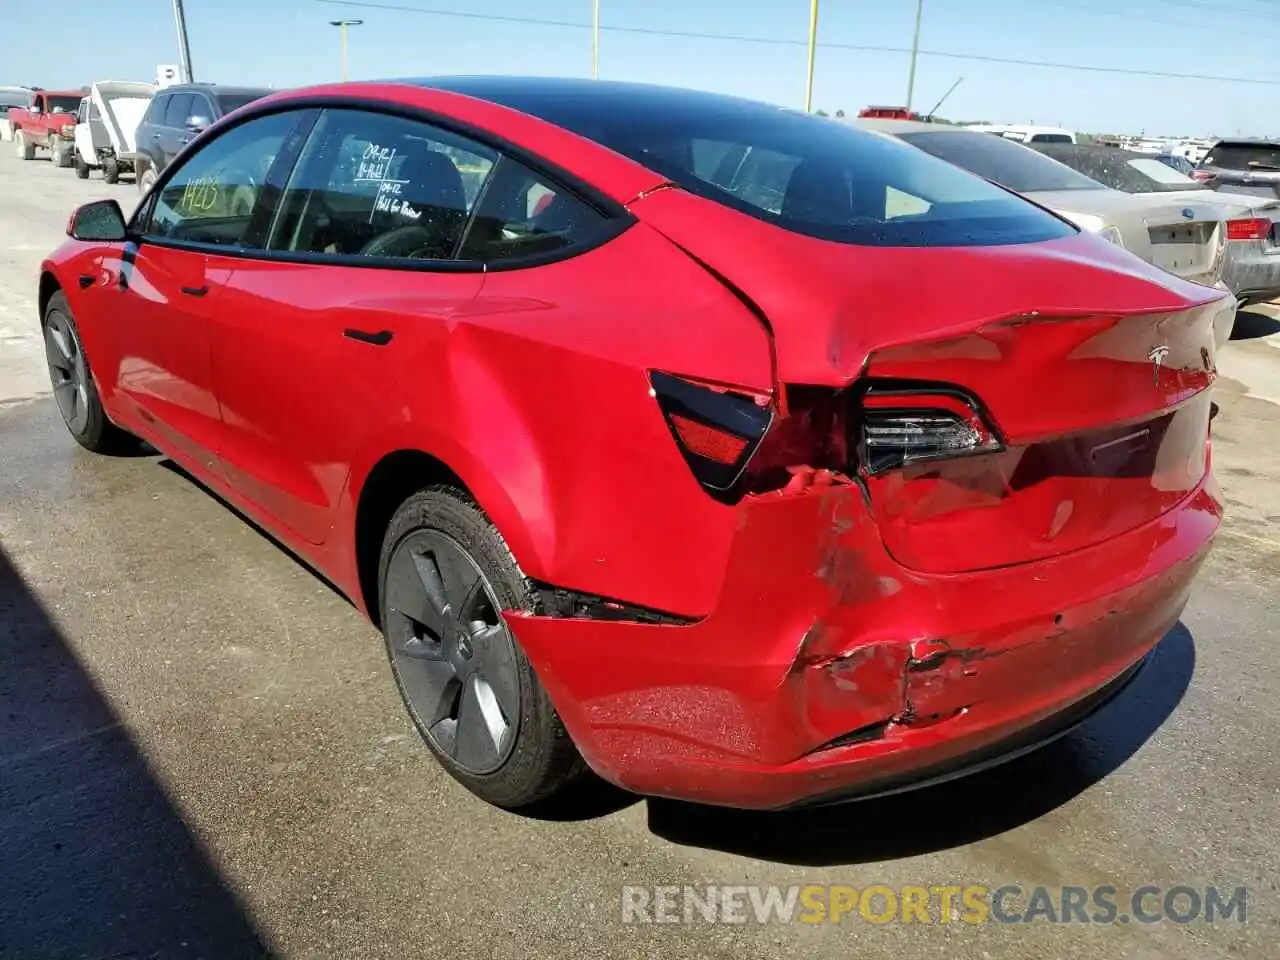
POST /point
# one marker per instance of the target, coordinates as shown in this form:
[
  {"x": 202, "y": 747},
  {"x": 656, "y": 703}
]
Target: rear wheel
[
  {"x": 82, "y": 168},
  {"x": 146, "y": 180},
  {"x": 22, "y": 146},
  {"x": 445, "y": 576},
  {"x": 73, "y": 386},
  {"x": 111, "y": 170}
]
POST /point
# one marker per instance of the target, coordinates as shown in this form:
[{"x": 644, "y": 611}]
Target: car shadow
[
  {"x": 1252, "y": 325},
  {"x": 95, "y": 860},
  {"x": 960, "y": 811}
]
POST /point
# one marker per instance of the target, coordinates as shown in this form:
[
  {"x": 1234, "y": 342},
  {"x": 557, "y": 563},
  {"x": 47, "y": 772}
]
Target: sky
[{"x": 286, "y": 43}]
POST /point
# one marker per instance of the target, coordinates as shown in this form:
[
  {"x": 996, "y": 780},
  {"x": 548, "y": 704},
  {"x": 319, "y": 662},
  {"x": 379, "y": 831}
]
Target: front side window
[
  {"x": 212, "y": 196},
  {"x": 374, "y": 185}
]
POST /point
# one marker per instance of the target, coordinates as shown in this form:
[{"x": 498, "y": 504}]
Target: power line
[{"x": 777, "y": 41}]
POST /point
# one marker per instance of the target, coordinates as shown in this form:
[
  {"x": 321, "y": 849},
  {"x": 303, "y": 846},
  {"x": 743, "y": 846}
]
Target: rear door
[
  {"x": 314, "y": 339},
  {"x": 169, "y": 135}
]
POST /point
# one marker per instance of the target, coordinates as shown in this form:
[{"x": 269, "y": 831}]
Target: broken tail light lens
[
  {"x": 716, "y": 428},
  {"x": 905, "y": 426},
  {"x": 1249, "y": 228}
]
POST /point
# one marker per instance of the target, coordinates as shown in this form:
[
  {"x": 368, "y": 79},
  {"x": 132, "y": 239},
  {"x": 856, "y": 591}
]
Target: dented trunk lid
[{"x": 1092, "y": 366}]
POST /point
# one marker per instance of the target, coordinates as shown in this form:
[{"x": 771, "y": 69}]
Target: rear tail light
[
  {"x": 734, "y": 442},
  {"x": 901, "y": 426},
  {"x": 716, "y": 428},
  {"x": 1251, "y": 228}
]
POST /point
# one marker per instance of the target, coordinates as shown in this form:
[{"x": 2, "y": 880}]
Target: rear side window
[
  {"x": 155, "y": 112},
  {"x": 177, "y": 110},
  {"x": 1244, "y": 156},
  {"x": 373, "y": 185},
  {"x": 523, "y": 215},
  {"x": 212, "y": 196}
]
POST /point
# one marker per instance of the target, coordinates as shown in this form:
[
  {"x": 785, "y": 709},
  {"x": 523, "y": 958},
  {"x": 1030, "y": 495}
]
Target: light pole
[
  {"x": 595, "y": 39},
  {"x": 342, "y": 27},
  {"x": 915, "y": 49},
  {"x": 813, "y": 43},
  {"x": 184, "y": 48}
]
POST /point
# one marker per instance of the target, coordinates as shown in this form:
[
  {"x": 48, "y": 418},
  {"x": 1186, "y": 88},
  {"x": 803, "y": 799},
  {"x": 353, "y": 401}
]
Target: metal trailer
[{"x": 107, "y": 127}]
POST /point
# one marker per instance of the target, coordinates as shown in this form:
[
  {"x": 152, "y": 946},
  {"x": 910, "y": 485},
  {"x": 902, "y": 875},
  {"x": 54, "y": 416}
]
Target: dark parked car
[
  {"x": 179, "y": 113},
  {"x": 1243, "y": 166}
]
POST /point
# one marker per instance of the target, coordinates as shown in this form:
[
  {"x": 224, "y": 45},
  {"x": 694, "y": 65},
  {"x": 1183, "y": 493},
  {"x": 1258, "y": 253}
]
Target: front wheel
[
  {"x": 445, "y": 577},
  {"x": 111, "y": 170},
  {"x": 73, "y": 386},
  {"x": 82, "y": 168},
  {"x": 59, "y": 153}
]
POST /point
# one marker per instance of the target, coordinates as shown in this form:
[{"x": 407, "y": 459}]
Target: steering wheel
[{"x": 408, "y": 241}]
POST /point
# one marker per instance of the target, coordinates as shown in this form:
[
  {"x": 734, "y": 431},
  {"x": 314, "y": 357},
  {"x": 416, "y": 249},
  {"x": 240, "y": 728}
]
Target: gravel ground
[{"x": 202, "y": 754}]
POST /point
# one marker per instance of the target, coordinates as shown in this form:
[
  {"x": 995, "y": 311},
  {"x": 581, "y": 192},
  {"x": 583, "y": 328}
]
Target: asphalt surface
[{"x": 202, "y": 753}]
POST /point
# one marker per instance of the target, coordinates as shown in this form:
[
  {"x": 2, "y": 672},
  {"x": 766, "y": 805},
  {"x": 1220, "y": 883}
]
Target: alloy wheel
[
  {"x": 452, "y": 653},
  {"x": 67, "y": 371}
]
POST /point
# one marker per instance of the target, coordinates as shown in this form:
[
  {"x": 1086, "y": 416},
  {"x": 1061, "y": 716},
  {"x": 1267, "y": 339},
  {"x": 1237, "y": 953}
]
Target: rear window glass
[
  {"x": 227, "y": 102},
  {"x": 995, "y": 158},
  {"x": 821, "y": 178},
  {"x": 1244, "y": 156},
  {"x": 1121, "y": 169}
]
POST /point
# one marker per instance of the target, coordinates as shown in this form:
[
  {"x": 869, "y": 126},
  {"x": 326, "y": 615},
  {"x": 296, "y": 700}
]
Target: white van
[{"x": 1025, "y": 133}]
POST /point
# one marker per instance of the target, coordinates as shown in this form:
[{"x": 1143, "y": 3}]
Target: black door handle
[
  {"x": 379, "y": 338},
  {"x": 195, "y": 291},
  {"x": 86, "y": 281}
]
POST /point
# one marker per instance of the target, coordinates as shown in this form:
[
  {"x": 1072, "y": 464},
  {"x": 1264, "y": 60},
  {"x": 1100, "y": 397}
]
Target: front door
[{"x": 170, "y": 281}]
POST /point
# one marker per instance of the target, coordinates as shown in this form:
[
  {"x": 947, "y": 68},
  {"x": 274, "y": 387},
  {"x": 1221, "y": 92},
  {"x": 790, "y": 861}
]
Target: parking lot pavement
[{"x": 202, "y": 753}]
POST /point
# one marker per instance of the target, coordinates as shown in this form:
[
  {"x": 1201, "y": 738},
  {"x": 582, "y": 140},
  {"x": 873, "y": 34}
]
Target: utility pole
[
  {"x": 184, "y": 48},
  {"x": 342, "y": 26},
  {"x": 595, "y": 39},
  {"x": 813, "y": 43},
  {"x": 915, "y": 50}
]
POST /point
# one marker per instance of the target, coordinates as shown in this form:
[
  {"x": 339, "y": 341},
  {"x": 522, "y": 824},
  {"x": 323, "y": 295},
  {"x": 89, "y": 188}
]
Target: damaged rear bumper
[{"x": 829, "y": 670}]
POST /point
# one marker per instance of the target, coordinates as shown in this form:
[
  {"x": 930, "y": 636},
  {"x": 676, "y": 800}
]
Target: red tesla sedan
[{"x": 733, "y": 453}]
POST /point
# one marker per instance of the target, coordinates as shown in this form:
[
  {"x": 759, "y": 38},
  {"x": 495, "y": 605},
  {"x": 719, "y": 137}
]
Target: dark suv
[
  {"x": 176, "y": 115},
  {"x": 1243, "y": 166}
]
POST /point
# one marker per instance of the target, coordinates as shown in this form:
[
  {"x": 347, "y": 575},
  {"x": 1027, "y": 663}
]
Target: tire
[
  {"x": 146, "y": 179},
  {"x": 22, "y": 146},
  {"x": 111, "y": 170},
  {"x": 82, "y": 168},
  {"x": 60, "y": 153},
  {"x": 440, "y": 536},
  {"x": 74, "y": 389}
]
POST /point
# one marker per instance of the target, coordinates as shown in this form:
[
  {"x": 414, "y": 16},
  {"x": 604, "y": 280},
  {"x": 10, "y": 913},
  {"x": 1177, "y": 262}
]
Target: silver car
[
  {"x": 1186, "y": 237},
  {"x": 1251, "y": 269}
]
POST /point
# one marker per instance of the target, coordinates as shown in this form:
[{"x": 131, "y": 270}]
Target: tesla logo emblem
[{"x": 1156, "y": 356}]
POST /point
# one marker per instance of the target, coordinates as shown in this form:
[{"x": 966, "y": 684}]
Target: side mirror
[
  {"x": 197, "y": 124},
  {"x": 102, "y": 220},
  {"x": 34, "y": 110}
]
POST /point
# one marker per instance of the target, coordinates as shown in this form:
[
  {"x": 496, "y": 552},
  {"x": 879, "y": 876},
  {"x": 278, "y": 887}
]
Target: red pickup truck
[{"x": 49, "y": 124}]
